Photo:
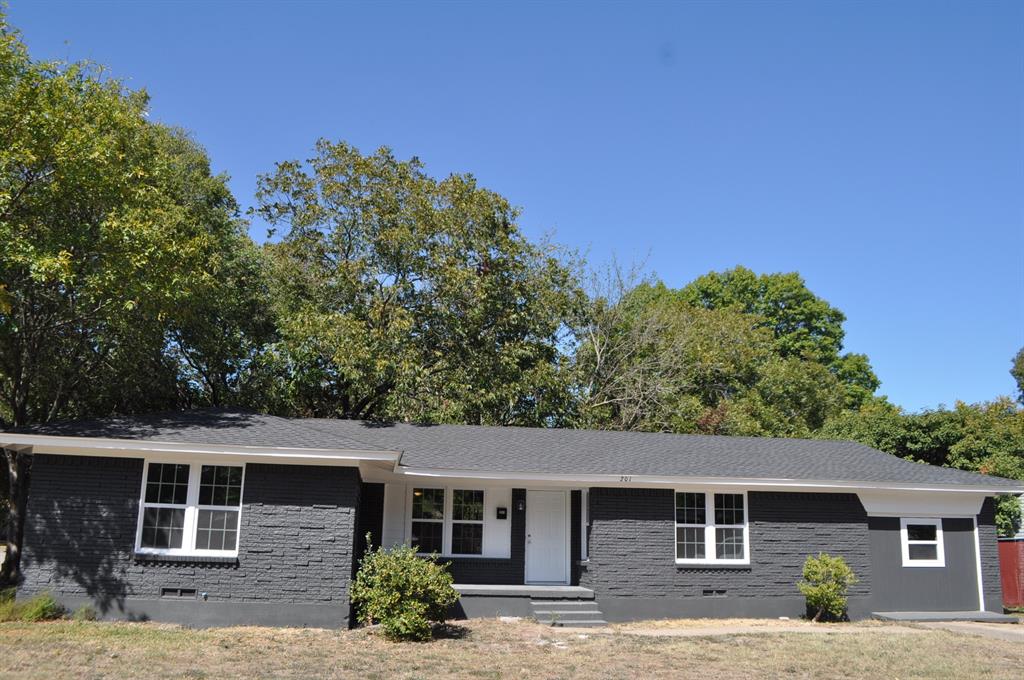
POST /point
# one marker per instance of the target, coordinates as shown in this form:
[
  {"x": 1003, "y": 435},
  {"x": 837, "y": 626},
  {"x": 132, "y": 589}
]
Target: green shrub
[
  {"x": 402, "y": 592},
  {"x": 42, "y": 607},
  {"x": 85, "y": 613},
  {"x": 9, "y": 610},
  {"x": 826, "y": 580}
]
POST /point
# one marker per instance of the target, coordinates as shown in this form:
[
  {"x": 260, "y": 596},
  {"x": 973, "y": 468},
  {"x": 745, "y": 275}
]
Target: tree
[
  {"x": 401, "y": 296},
  {"x": 986, "y": 437},
  {"x": 111, "y": 227},
  {"x": 1017, "y": 371},
  {"x": 647, "y": 359},
  {"x": 804, "y": 325}
]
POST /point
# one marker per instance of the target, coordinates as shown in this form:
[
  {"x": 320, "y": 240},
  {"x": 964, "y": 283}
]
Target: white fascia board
[
  {"x": 654, "y": 481},
  {"x": 135, "y": 448}
]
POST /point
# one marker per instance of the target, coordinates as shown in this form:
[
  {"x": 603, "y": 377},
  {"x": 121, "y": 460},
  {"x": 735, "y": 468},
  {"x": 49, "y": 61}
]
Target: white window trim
[
  {"x": 905, "y": 542},
  {"x": 446, "y": 521},
  {"x": 710, "y": 551},
  {"x": 192, "y": 508},
  {"x": 584, "y": 519}
]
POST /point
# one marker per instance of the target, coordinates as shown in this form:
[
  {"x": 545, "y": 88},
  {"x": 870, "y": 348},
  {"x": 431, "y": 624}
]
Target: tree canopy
[{"x": 400, "y": 296}]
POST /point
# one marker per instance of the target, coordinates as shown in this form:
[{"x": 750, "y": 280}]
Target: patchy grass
[{"x": 488, "y": 649}]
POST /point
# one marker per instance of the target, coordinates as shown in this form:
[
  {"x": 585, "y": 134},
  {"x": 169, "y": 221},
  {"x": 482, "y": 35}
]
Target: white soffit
[{"x": 921, "y": 503}]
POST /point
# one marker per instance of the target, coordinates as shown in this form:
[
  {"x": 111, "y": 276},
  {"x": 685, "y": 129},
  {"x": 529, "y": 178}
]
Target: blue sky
[{"x": 876, "y": 148}]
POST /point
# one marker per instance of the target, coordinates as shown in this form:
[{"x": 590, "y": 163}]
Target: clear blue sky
[{"x": 875, "y": 147}]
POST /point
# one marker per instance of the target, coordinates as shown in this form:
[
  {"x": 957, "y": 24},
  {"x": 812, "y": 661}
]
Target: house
[{"x": 214, "y": 517}]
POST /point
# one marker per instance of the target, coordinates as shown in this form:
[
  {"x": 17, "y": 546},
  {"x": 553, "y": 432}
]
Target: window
[
  {"x": 711, "y": 528},
  {"x": 190, "y": 508},
  {"x": 428, "y": 520},
  {"x": 921, "y": 542},
  {"x": 447, "y": 521},
  {"x": 467, "y": 522}
]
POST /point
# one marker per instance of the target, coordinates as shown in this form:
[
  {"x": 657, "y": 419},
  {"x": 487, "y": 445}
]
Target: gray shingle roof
[
  {"x": 602, "y": 452},
  {"x": 208, "y": 426},
  {"x": 541, "y": 451}
]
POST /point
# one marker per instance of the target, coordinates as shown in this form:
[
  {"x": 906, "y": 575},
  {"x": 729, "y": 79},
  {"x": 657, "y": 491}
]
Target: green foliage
[
  {"x": 825, "y": 584},
  {"x": 1008, "y": 515},
  {"x": 402, "y": 592},
  {"x": 85, "y": 613},
  {"x": 401, "y": 296},
  {"x": 42, "y": 607},
  {"x": 986, "y": 437}
]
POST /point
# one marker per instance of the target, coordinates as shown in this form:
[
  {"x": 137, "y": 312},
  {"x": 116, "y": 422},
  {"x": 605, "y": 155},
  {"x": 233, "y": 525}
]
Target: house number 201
[{"x": 625, "y": 478}]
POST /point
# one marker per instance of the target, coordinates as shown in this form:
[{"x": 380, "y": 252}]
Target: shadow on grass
[{"x": 449, "y": 631}]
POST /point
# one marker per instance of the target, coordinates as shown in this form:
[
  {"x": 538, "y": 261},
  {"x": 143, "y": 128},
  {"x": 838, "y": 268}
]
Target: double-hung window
[
  {"x": 921, "y": 542},
  {"x": 190, "y": 509},
  {"x": 447, "y": 521},
  {"x": 711, "y": 528}
]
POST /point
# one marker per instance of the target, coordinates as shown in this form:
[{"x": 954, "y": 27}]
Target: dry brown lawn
[{"x": 492, "y": 649}]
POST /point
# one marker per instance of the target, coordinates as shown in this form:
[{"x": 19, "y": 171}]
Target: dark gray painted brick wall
[
  {"x": 296, "y": 540},
  {"x": 632, "y": 544},
  {"x": 497, "y": 571},
  {"x": 988, "y": 545}
]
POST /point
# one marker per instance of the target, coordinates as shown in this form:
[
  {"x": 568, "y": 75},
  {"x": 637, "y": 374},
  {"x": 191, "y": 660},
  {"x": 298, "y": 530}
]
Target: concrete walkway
[{"x": 997, "y": 631}]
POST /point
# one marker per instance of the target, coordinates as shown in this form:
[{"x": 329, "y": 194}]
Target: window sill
[
  {"x": 927, "y": 565},
  {"x": 725, "y": 566},
  {"x": 224, "y": 560}
]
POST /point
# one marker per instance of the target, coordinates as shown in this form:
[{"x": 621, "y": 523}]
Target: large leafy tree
[
  {"x": 112, "y": 229},
  {"x": 398, "y": 295},
  {"x": 804, "y": 326},
  {"x": 647, "y": 358}
]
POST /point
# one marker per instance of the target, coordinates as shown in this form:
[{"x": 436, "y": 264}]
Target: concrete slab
[
  {"x": 567, "y": 592},
  {"x": 997, "y": 631},
  {"x": 984, "y": 617}
]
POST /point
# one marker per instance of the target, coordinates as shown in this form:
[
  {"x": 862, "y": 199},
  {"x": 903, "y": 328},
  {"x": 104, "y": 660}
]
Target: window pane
[
  {"x": 220, "y": 485},
  {"x": 428, "y": 503},
  {"x": 167, "y": 483},
  {"x": 689, "y": 543},
  {"x": 468, "y": 505},
  {"x": 923, "y": 551},
  {"x": 728, "y": 508},
  {"x": 729, "y": 544},
  {"x": 690, "y": 508},
  {"x": 217, "y": 530},
  {"x": 426, "y": 536},
  {"x": 162, "y": 527},
  {"x": 467, "y": 539},
  {"x": 921, "y": 532}
]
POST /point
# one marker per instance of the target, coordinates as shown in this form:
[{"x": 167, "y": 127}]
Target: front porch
[{"x": 557, "y": 605}]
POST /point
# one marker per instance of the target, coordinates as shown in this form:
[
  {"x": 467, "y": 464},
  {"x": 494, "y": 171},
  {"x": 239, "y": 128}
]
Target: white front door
[{"x": 547, "y": 537}]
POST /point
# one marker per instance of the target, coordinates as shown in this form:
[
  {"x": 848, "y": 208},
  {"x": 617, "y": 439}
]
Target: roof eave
[
  {"x": 133, "y": 447},
  {"x": 682, "y": 481}
]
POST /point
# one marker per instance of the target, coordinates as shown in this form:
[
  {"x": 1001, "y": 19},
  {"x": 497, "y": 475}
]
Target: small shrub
[
  {"x": 42, "y": 607},
  {"x": 9, "y": 610},
  {"x": 85, "y": 613},
  {"x": 402, "y": 592},
  {"x": 826, "y": 580}
]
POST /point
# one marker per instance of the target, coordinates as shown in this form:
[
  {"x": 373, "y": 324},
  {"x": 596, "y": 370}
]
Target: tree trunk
[{"x": 19, "y": 467}]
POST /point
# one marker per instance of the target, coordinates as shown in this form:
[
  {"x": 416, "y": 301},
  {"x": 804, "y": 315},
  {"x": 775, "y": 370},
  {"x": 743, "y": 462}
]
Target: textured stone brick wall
[
  {"x": 632, "y": 544},
  {"x": 295, "y": 546},
  {"x": 988, "y": 546}
]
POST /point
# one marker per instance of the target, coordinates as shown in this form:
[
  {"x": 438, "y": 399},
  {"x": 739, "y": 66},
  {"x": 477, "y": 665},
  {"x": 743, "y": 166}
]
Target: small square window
[
  {"x": 690, "y": 508},
  {"x": 728, "y": 508},
  {"x": 921, "y": 542}
]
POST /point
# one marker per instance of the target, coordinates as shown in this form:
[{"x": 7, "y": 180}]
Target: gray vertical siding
[
  {"x": 898, "y": 588},
  {"x": 295, "y": 545}
]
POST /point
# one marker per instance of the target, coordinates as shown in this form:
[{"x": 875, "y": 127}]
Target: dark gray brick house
[{"x": 216, "y": 517}]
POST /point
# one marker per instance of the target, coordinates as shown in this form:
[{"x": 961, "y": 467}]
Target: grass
[{"x": 488, "y": 649}]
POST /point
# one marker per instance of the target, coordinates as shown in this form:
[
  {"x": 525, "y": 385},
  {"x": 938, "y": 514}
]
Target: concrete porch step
[{"x": 567, "y": 613}]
